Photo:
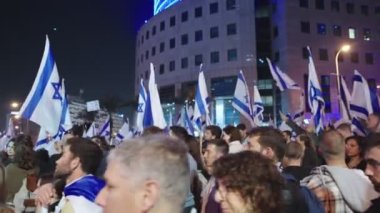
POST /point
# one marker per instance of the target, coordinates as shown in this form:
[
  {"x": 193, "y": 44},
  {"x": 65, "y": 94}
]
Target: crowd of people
[{"x": 229, "y": 170}]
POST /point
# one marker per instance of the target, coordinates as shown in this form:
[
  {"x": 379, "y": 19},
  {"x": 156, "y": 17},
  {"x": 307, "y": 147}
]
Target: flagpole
[{"x": 274, "y": 102}]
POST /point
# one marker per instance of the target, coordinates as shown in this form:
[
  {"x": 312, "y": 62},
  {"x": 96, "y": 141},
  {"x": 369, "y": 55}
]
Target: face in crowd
[{"x": 373, "y": 166}]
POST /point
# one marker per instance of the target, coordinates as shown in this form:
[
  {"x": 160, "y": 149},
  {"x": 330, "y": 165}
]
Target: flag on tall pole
[
  {"x": 242, "y": 101},
  {"x": 141, "y": 108},
  {"x": 154, "y": 114},
  {"x": 44, "y": 102},
  {"x": 360, "y": 105},
  {"x": 283, "y": 81},
  {"x": 91, "y": 132},
  {"x": 258, "y": 107},
  {"x": 65, "y": 123},
  {"x": 315, "y": 99},
  {"x": 124, "y": 133},
  {"x": 201, "y": 112}
]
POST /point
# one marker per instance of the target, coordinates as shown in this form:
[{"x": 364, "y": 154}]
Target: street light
[
  {"x": 344, "y": 48},
  {"x": 15, "y": 105}
]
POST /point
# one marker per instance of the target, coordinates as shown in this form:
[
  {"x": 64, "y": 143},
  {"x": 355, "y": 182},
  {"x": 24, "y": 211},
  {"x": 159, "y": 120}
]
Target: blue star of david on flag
[
  {"x": 140, "y": 107},
  {"x": 57, "y": 95}
]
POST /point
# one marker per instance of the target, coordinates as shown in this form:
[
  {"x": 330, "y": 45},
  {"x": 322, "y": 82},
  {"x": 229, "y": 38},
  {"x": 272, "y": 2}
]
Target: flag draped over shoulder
[
  {"x": 201, "y": 111},
  {"x": 45, "y": 101},
  {"x": 258, "y": 107},
  {"x": 283, "y": 81},
  {"x": 315, "y": 99},
  {"x": 242, "y": 101}
]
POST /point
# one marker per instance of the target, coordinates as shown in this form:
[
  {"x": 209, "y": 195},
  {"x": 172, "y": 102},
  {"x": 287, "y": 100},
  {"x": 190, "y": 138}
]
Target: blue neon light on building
[{"x": 160, "y": 5}]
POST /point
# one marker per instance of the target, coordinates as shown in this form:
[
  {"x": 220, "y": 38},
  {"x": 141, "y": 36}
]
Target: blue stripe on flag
[
  {"x": 39, "y": 91},
  {"x": 357, "y": 78},
  {"x": 359, "y": 109},
  {"x": 283, "y": 84},
  {"x": 198, "y": 99},
  {"x": 359, "y": 126},
  {"x": 242, "y": 106},
  {"x": 118, "y": 135}
]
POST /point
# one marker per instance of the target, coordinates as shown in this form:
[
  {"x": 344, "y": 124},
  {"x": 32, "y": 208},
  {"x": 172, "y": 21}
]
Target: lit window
[
  {"x": 351, "y": 33},
  {"x": 321, "y": 29}
]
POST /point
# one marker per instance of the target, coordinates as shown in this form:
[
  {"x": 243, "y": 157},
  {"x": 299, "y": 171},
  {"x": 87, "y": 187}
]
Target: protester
[
  {"x": 373, "y": 123},
  {"x": 215, "y": 149},
  {"x": 345, "y": 130},
  {"x": 24, "y": 163},
  {"x": 211, "y": 132},
  {"x": 339, "y": 188},
  {"x": 233, "y": 137},
  {"x": 78, "y": 163},
  {"x": 243, "y": 131},
  {"x": 154, "y": 182},
  {"x": 310, "y": 159},
  {"x": 292, "y": 161},
  {"x": 287, "y": 135},
  {"x": 248, "y": 182},
  {"x": 355, "y": 152},
  {"x": 372, "y": 157},
  {"x": 270, "y": 143}
]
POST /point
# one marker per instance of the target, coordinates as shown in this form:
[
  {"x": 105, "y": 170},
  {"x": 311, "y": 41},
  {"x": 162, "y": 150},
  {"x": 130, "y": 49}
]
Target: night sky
[{"x": 93, "y": 42}]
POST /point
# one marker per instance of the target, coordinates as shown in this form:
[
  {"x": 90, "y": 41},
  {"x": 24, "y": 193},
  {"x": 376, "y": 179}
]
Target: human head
[
  {"x": 305, "y": 141},
  {"x": 294, "y": 153},
  {"x": 248, "y": 182},
  {"x": 152, "y": 130},
  {"x": 332, "y": 146},
  {"x": 372, "y": 157},
  {"x": 215, "y": 149},
  {"x": 268, "y": 141},
  {"x": 243, "y": 129},
  {"x": 79, "y": 156},
  {"x": 373, "y": 122},
  {"x": 231, "y": 133},
  {"x": 10, "y": 148},
  {"x": 77, "y": 130},
  {"x": 101, "y": 142},
  {"x": 287, "y": 135},
  {"x": 179, "y": 132},
  {"x": 25, "y": 157},
  {"x": 355, "y": 146},
  {"x": 212, "y": 132},
  {"x": 146, "y": 174},
  {"x": 345, "y": 130}
]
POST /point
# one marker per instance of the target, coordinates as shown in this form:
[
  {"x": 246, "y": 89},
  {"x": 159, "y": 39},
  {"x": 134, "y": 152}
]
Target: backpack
[{"x": 313, "y": 204}]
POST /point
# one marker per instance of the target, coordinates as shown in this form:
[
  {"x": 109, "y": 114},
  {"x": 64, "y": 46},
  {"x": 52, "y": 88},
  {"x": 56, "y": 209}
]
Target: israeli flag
[
  {"x": 45, "y": 101},
  {"x": 241, "y": 101},
  {"x": 298, "y": 116},
  {"x": 283, "y": 81},
  {"x": 91, "y": 132},
  {"x": 360, "y": 106},
  {"x": 258, "y": 107},
  {"x": 344, "y": 101},
  {"x": 65, "y": 123},
  {"x": 315, "y": 99},
  {"x": 154, "y": 114},
  {"x": 201, "y": 113},
  {"x": 357, "y": 127},
  {"x": 124, "y": 133},
  {"x": 105, "y": 130},
  {"x": 141, "y": 108},
  {"x": 187, "y": 120}
]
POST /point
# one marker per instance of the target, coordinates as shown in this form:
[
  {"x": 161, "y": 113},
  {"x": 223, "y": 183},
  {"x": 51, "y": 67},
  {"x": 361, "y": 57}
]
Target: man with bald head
[{"x": 339, "y": 188}]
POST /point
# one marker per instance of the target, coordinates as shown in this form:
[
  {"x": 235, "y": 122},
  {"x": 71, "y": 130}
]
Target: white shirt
[{"x": 235, "y": 146}]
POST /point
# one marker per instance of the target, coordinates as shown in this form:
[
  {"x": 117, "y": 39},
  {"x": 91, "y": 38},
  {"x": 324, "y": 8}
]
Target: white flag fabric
[
  {"x": 11, "y": 129},
  {"x": 105, "y": 129},
  {"x": 344, "y": 101},
  {"x": 283, "y": 81},
  {"x": 155, "y": 102},
  {"x": 360, "y": 106},
  {"x": 124, "y": 133},
  {"x": 315, "y": 99},
  {"x": 242, "y": 101},
  {"x": 141, "y": 108},
  {"x": 258, "y": 107},
  {"x": 188, "y": 121},
  {"x": 201, "y": 112},
  {"x": 44, "y": 102},
  {"x": 91, "y": 132}
]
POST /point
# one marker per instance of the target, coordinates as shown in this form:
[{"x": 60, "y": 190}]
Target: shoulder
[{"x": 80, "y": 204}]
